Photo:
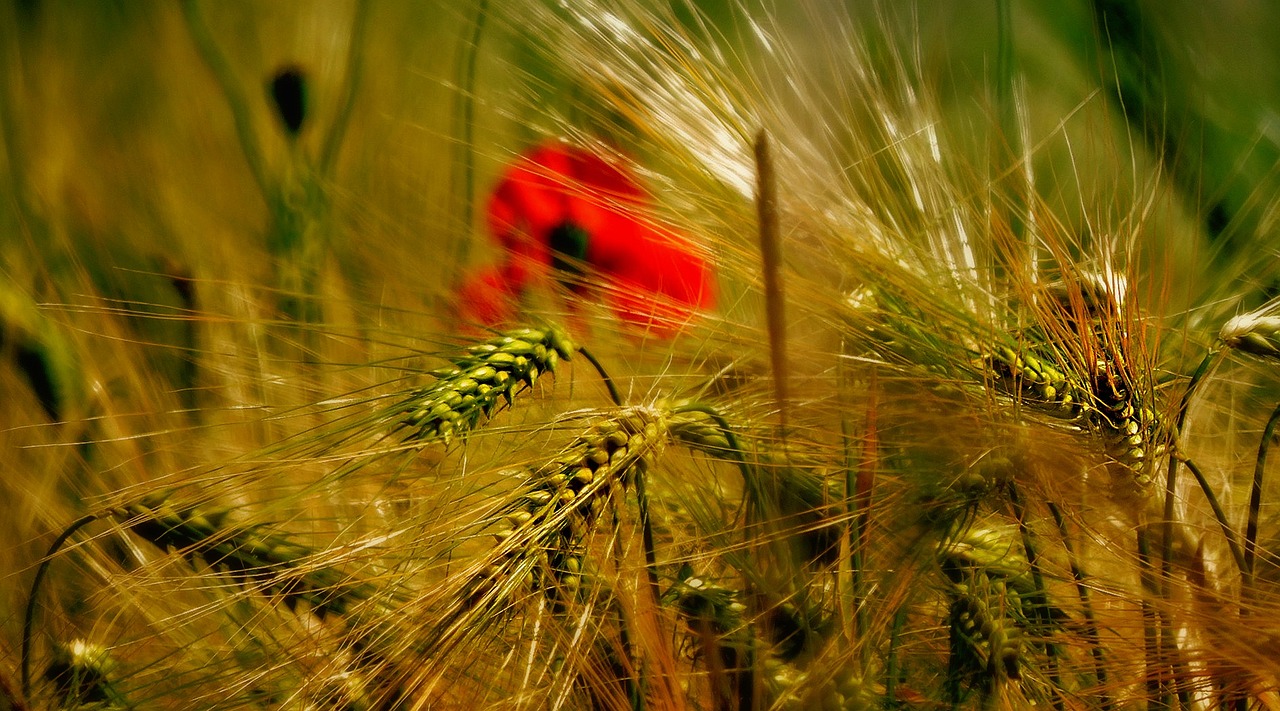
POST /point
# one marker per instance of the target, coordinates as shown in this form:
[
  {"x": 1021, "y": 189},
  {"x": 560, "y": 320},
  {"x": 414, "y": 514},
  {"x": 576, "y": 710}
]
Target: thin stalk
[
  {"x": 236, "y": 100},
  {"x": 465, "y": 150},
  {"x": 1018, "y": 182},
  {"x": 351, "y": 84},
  {"x": 850, "y": 598},
  {"x": 1040, "y": 601},
  {"x": 646, "y": 534},
  {"x": 1167, "y": 634},
  {"x": 891, "y": 670},
  {"x": 1086, "y": 607},
  {"x": 771, "y": 265},
  {"x": 1004, "y": 73},
  {"x": 860, "y": 511},
  {"x": 1156, "y": 696},
  {"x": 1255, "y": 499},
  {"x": 1171, "y": 480},
  {"x": 28, "y": 619}
]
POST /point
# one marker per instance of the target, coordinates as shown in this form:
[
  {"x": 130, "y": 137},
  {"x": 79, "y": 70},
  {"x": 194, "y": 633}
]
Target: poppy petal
[
  {"x": 654, "y": 277},
  {"x": 487, "y": 298}
]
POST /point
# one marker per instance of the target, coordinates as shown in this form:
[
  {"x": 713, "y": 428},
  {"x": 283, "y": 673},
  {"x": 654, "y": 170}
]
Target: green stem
[
  {"x": 1018, "y": 181},
  {"x": 236, "y": 100},
  {"x": 466, "y": 149},
  {"x": 351, "y": 83},
  {"x": 891, "y": 670},
  {"x": 646, "y": 534},
  {"x": 604, "y": 375},
  {"x": 1171, "y": 480},
  {"x": 859, "y": 486},
  {"x": 1167, "y": 634}
]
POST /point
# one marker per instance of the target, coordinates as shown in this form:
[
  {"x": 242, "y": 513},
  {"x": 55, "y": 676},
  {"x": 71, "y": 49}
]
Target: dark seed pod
[{"x": 288, "y": 92}]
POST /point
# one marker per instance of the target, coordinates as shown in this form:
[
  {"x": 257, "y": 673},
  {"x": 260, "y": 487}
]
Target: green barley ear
[
  {"x": 544, "y": 534},
  {"x": 990, "y": 580},
  {"x": 714, "y": 615},
  {"x": 251, "y": 554},
  {"x": 489, "y": 374},
  {"x": 1029, "y": 373}
]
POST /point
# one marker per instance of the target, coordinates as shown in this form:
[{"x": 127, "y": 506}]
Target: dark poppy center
[{"x": 568, "y": 243}]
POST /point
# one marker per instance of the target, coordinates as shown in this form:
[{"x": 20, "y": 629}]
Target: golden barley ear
[
  {"x": 546, "y": 539},
  {"x": 1256, "y": 333}
]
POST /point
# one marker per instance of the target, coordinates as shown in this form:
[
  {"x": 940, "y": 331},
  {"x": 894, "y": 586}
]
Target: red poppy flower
[{"x": 564, "y": 212}]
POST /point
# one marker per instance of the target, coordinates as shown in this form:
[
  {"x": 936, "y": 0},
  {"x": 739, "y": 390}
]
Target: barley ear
[
  {"x": 489, "y": 374},
  {"x": 1253, "y": 333},
  {"x": 250, "y": 554}
]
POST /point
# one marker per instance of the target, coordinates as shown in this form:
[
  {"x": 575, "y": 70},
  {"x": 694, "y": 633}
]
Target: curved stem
[
  {"x": 1164, "y": 582},
  {"x": 604, "y": 375},
  {"x": 1232, "y": 542},
  {"x": 1166, "y": 545},
  {"x": 1255, "y": 497},
  {"x": 1171, "y": 479},
  {"x": 735, "y": 446},
  {"x": 29, "y": 617},
  {"x": 1210, "y": 359}
]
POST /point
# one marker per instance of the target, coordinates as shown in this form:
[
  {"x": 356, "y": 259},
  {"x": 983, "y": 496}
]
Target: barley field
[{"x": 639, "y": 354}]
